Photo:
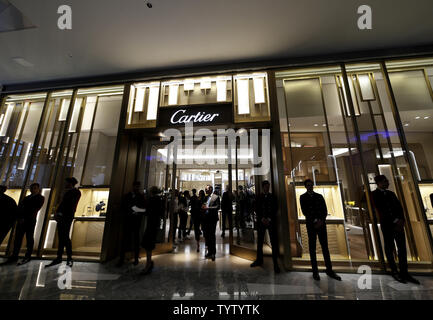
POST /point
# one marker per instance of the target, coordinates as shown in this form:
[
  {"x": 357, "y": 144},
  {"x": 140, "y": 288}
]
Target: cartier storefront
[{"x": 339, "y": 125}]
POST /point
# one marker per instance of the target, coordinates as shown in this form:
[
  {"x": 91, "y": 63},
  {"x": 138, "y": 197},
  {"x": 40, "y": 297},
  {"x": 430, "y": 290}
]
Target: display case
[
  {"x": 335, "y": 223},
  {"x": 88, "y": 226},
  {"x": 426, "y": 190}
]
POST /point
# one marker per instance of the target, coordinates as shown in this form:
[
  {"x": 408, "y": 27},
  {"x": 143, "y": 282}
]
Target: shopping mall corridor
[{"x": 186, "y": 274}]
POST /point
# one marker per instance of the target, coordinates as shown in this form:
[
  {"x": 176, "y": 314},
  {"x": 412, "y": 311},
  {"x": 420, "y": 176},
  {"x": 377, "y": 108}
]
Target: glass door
[{"x": 155, "y": 169}]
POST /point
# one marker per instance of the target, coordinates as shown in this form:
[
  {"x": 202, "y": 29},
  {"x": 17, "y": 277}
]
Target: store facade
[{"x": 337, "y": 124}]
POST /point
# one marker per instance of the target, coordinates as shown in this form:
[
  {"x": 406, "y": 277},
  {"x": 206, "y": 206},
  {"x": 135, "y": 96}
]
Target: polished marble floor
[{"x": 186, "y": 274}]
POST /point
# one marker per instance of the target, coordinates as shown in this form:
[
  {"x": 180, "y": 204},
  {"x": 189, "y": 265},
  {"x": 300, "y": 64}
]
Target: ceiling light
[
  {"x": 316, "y": 125},
  {"x": 324, "y": 125},
  {"x": 23, "y": 62},
  {"x": 418, "y": 117},
  {"x": 406, "y": 125},
  {"x": 426, "y": 118}
]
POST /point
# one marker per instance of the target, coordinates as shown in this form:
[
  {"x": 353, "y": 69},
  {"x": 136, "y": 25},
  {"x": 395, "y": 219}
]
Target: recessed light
[
  {"x": 324, "y": 125},
  {"x": 22, "y": 62},
  {"x": 417, "y": 117},
  {"x": 316, "y": 125},
  {"x": 406, "y": 124},
  {"x": 426, "y": 118}
]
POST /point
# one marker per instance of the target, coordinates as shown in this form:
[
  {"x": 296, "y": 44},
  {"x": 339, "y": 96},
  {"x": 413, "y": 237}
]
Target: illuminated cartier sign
[
  {"x": 207, "y": 114},
  {"x": 180, "y": 117}
]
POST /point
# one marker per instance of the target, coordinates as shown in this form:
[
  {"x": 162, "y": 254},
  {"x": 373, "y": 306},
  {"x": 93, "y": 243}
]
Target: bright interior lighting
[
  {"x": 339, "y": 151},
  {"x": 64, "y": 109},
  {"x": 7, "y": 118},
  {"x": 417, "y": 118},
  {"x": 89, "y": 110},
  {"x": 172, "y": 94},
  {"x": 139, "y": 100},
  {"x": 75, "y": 114},
  {"x": 23, "y": 160},
  {"x": 131, "y": 96},
  {"x": 205, "y": 83},
  {"x": 259, "y": 90},
  {"x": 426, "y": 118},
  {"x": 243, "y": 96},
  {"x": 152, "y": 106},
  {"x": 221, "y": 90}
]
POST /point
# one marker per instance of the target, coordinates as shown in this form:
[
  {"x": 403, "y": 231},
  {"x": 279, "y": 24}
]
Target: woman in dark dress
[{"x": 154, "y": 213}]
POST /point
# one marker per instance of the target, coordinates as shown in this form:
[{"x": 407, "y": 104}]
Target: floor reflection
[{"x": 187, "y": 275}]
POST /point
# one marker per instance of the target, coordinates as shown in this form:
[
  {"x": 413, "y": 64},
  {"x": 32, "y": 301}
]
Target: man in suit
[
  {"x": 226, "y": 210},
  {"x": 64, "y": 216},
  {"x": 211, "y": 207},
  {"x": 27, "y": 213},
  {"x": 133, "y": 208},
  {"x": 391, "y": 218},
  {"x": 266, "y": 207},
  {"x": 314, "y": 209},
  {"x": 8, "y": 216}
]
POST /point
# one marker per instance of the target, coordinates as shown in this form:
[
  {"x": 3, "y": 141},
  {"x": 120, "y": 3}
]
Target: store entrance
[{"x": 176, "y": 172}]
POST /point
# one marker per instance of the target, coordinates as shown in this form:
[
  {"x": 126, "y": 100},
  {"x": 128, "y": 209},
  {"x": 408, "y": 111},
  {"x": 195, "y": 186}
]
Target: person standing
[
  {"x": 133, "y": 207},
  {"x": 183, "y": 214},
  {"x": 314, "y": 209},
  {"x": 211, "y": 207},
  {"x": 227, "y": 210},
  {"x": 27, "y": 212},
  {"x": 64, "y": 216},
  {"x": 392, "y": 221},
  {"x": 154, "y": 213},
  {"x": 196, "y": 204},
  {"x": 266, "y": 207},
  {"x": 8, "y": 215}
]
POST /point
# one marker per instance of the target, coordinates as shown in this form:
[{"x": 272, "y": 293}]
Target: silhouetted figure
[
  {"x": 266, "y": 210},
  {"x": 314, "y": 208},
  {"x": 175, "y": 215},
  {"x": 133, "y": 208},
  {"x": 155, "y": 208},
  {"x": 210, "y": 219},
  {"x": 196, "y": 203},
  {"x": 8, "y": 213},
  {"x": 64, "y": 216},
  {"x": 227, "y": 210},
  {"x": 27, "y": 212},
  {"x": 391, "y": 218},
  {"x": 183, "y": 214}
]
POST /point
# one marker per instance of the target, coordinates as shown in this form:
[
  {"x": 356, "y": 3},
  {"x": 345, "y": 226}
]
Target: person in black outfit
[
  {"x": 183, "y": 214},
  {"x": 196, "y": 204},
  {"x": 227, "y": 210},
  {"x": 133, "y": 207},
  {"x": 64, "y": 216},
  {"x": 391, "y": 218},
  {"x": 9, "y": 211},
  {"x": 314, "y": 208},
  {"x": 154, "y": 212},
  {"x": 27, "y": 213},
  {"x": 211, "y": 207},
  {"x": 266, "y": 207}
]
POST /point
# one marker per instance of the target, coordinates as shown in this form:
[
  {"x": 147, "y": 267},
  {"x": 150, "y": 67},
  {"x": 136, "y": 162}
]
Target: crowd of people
[{"x": 204, "y": 206}]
